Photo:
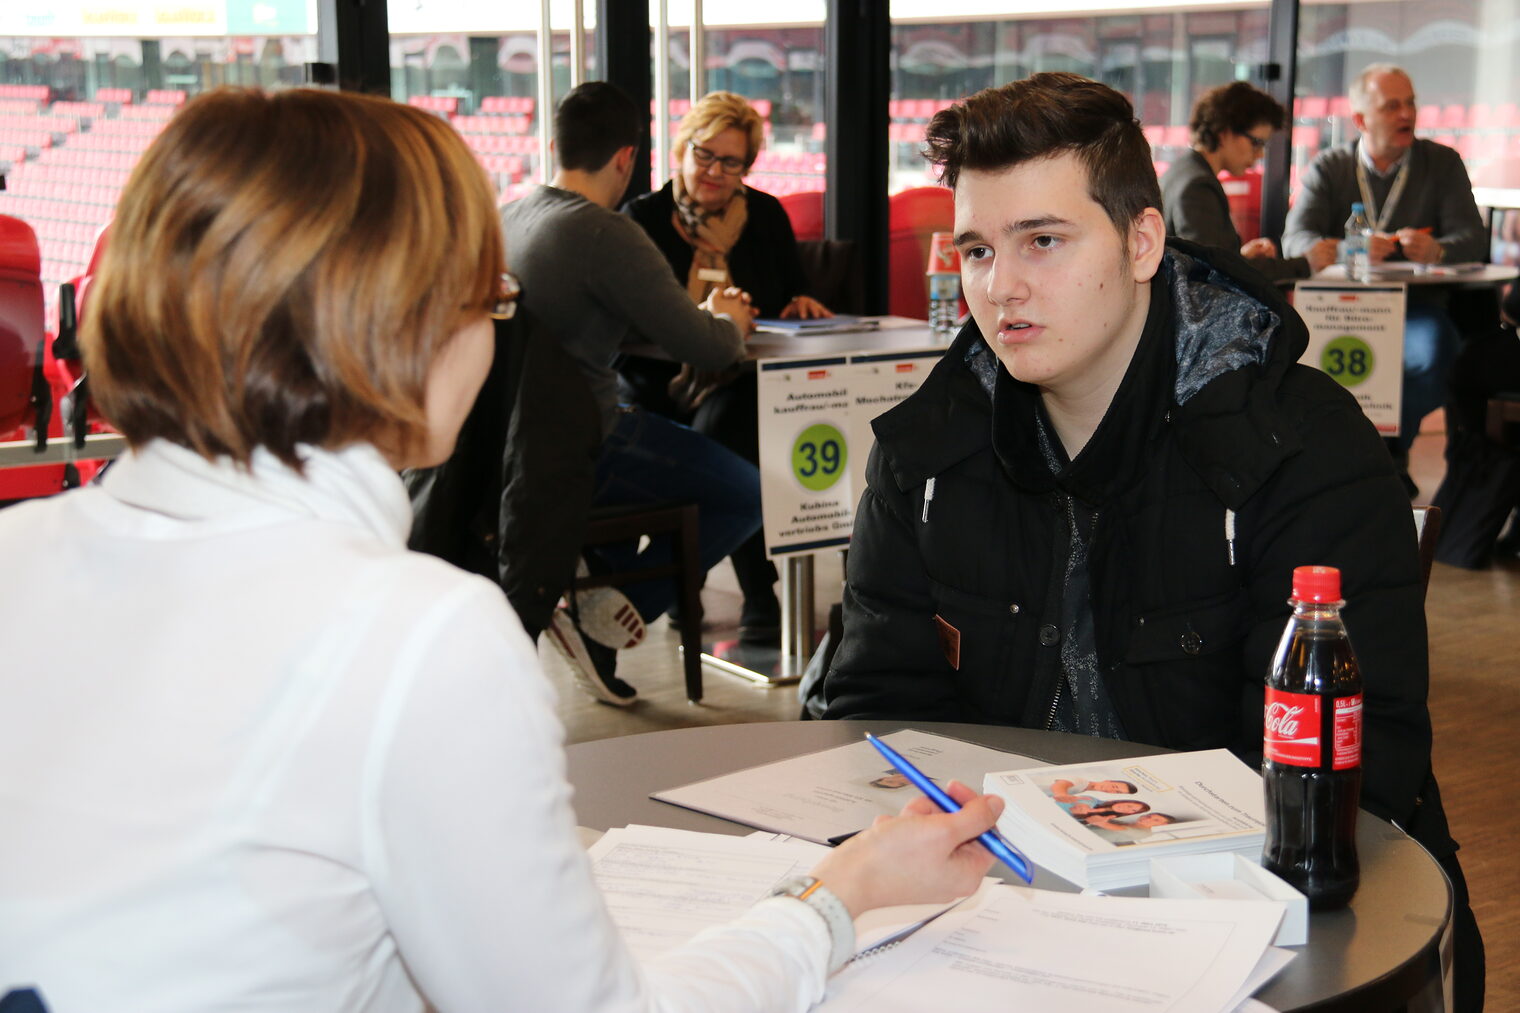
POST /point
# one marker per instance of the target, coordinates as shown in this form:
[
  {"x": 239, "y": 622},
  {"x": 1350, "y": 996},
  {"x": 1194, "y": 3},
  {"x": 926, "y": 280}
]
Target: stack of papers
[
  {"x": 1003, "y": 948},
  {"x": 1099, "y": 824},
  {"x": 1016, "y": 948},
  {"x": 664, "y": 886},
  {"x": 836, "y": 324}
]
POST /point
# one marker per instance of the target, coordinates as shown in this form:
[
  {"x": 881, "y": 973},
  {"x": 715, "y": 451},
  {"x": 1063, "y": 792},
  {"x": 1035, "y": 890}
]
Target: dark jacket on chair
[
  {"x": 511, "y": 502},
  {"x": 1222, "y": 464}
]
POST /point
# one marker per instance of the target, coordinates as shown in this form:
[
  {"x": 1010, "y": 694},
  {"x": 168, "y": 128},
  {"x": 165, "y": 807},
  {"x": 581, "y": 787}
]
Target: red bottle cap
[{"x": 1316, "y": 583}]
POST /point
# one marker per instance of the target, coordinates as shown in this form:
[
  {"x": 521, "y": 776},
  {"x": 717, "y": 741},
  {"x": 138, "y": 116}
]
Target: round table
[
  {"x": 1486, "y": 276},
  {"x": 1382, "y": 952}
]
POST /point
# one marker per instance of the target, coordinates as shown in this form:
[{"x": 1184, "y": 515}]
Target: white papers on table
[
  {"x": 840, "y": 323},
  {"x": 1024, "y": 949},
  {"x": 841, "y": 790},
  {"x": 664, "y": 886}
]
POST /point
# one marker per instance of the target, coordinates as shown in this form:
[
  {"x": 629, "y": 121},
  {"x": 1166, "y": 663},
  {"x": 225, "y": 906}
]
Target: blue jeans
[
  {"x": 1430, "y": 347},
  {"x": 648, "y": 459}
]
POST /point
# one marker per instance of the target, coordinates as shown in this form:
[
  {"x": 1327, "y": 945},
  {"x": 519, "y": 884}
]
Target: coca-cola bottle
[{"x": 1312, "y": 764}]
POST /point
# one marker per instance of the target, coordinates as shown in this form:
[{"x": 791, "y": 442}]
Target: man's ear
[
  {"x": 623, "y": 160},
  {"x": 1147, "y": 244},
  {"x": 1359, "y": 121}
]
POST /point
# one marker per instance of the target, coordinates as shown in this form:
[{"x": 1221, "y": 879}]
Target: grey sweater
[
  {"x": 1438, "y": 196},
  {"x": 595, "y": 279}
]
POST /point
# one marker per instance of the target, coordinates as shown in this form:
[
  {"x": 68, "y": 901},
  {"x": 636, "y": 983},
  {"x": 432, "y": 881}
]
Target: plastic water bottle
[
  {"x": 944, "y": 306},
  {"x": 944, "y": 287},
  {"x": 1354, "y": 246}
]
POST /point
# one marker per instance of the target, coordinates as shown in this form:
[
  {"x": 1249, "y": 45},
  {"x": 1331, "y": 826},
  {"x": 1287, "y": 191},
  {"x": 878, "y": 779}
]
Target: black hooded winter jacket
[{"x": 1221, "y": 465}]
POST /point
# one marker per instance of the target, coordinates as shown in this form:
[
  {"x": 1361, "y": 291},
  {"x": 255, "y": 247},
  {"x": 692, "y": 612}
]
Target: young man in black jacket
[{"x": 1088, "y": 516}]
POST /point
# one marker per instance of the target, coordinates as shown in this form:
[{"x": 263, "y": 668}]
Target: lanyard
[{"x": 1380, "y": 221}]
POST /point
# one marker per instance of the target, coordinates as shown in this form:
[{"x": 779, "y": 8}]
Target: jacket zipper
[{"x": 1050, "y": 719}]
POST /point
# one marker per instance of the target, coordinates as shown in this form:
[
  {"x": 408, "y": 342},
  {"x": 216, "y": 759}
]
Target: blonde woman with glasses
[{"x": 716, "y": 231}]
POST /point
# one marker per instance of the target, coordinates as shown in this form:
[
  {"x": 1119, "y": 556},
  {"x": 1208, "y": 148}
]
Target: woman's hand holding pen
[{"x": 920, "y": 856}]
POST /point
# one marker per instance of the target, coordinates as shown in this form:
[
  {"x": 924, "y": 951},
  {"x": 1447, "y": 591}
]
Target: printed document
[
  {"x": 1026, "y": 949},
  {"x": 842, "y": 790}
]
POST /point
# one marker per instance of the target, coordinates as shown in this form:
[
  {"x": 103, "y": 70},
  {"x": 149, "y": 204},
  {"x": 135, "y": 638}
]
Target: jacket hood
[{"x": 1234, "y": 338}]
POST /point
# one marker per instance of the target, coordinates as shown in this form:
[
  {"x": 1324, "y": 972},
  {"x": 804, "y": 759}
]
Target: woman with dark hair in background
[{"x": 1231, "y": 126}]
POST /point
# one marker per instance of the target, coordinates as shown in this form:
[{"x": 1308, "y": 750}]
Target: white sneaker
[
  {"x": 607, "y": 616},
  {"x": 596, "y": 679}
]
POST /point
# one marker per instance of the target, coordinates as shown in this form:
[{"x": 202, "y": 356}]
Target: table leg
[{"x": 797, "y": 631}]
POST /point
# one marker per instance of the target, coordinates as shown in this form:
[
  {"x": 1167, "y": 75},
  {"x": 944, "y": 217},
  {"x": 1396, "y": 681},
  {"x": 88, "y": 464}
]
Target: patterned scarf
[{"x": 711, "y": 234}]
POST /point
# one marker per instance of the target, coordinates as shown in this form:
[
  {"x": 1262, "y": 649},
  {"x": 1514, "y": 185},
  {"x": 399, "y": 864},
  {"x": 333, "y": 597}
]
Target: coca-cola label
[
  {"x": 1292, "y": 728},
  {"x": 1348, "y": 732}
]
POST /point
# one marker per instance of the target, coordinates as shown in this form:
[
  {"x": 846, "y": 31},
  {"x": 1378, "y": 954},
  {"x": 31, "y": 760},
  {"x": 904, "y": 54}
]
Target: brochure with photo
[{"x": 1099, "y": 824}]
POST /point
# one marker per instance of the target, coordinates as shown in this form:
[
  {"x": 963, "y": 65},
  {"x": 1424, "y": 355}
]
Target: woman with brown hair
[
  {"x": 716, "y": 232},
  {"x": 285, "y": 764}
]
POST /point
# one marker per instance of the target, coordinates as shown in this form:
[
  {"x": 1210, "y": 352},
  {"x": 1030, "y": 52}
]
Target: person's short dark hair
[
  {"x": 593, "y": 123},
  {"x": 1043, "y": 116},
  {"x": 1236, "y": 107}
]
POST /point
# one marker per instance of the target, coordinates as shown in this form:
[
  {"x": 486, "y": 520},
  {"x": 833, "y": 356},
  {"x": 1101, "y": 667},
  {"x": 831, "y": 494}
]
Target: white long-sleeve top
[{"x": 255, "y": 755}]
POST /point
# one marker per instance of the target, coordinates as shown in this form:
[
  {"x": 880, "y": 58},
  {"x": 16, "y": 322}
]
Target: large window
[
  {"x": 1462, "y": 59},
  {"x": 775, "y": 59},
  {"x": 478, "y": 65},
  {"x": 85, "y": 86},
  {"x": 1163, "y": 60}
]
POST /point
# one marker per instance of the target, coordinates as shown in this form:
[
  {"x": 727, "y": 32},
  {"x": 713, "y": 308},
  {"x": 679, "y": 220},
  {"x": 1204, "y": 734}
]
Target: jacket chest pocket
[
  {"x": 979, "y": 635},
  {"x": 1188, "y": 657}
]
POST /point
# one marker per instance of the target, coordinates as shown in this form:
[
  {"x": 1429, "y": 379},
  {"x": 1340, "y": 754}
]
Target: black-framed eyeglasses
[
  {"x": 1257, "y": 143},
  {"x": 505, "y": 306},
  {"x": 704, "y": 157}
]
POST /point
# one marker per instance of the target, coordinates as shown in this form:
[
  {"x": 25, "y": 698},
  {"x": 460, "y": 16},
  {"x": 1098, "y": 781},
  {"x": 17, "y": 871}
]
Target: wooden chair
[
  {"x": 607, "y": 525},
  {"x": 1427, "y": 528}
]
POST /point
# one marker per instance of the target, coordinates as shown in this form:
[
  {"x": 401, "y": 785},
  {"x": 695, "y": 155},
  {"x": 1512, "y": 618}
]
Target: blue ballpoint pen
[{"x": 991, "y": 840}]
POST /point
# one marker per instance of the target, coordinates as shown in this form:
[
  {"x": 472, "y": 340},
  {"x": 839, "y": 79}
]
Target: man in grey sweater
[
  {"x": 1418, "y": 197},
  {"x": 595, "y": 279}
]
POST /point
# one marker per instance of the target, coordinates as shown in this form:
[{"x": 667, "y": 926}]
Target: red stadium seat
[
  {"x": 165, "y": 97},
  {"x": 1311, "y": 107},
  {"x": 27, "y": 397},
  {"x": 805, "y": 209},
  {"x": 21, "y": 321},
  {"x": 913, "y": 216},
  {"x": 1244, "y": 196},
  {"x": 1454, "y": 117}
]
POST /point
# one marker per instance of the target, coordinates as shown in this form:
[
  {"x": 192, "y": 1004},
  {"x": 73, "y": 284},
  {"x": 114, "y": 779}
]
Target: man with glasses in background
[
  {"x": 1419, "y": 200},
  {"x": 1231, "y": 126}
]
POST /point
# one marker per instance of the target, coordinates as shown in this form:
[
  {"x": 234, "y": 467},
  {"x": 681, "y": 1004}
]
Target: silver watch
[{"x": 811, "y": 891}]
